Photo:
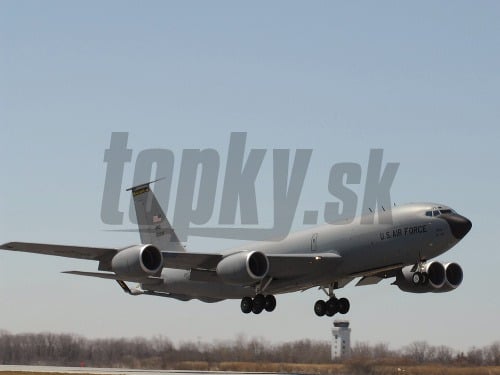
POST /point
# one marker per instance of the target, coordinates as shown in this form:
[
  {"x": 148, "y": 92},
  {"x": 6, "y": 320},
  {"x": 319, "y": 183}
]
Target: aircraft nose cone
[{"x": 459, "y": 225}]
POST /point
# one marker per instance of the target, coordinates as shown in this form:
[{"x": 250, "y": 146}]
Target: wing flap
[
  {"x": 381, "y": 272},
  {"x": 203, "y": 275},
  {"x": 78, "y": 252},
  {"x": 374, "y": 276},
  {"x": 187, "y": 261},
  {"x": 343, "y": 282},
  {"x": 369, "y": 280},
  {"x": 284, "y": 266}
]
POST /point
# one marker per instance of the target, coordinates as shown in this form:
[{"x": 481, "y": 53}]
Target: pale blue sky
[{"x": 420, "y": 80}]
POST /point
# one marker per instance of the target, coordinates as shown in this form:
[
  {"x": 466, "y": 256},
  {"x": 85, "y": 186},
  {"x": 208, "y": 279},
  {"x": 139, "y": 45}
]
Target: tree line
[{"x": 161, "y": 353}]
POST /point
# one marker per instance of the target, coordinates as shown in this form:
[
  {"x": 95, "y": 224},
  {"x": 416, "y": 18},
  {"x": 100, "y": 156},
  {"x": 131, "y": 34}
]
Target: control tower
[{"x": 341, "y": 340}]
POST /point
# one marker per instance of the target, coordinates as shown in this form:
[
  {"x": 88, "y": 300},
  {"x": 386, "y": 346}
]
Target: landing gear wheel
[
  {"x": 425, "y": 278},
  {"x": 246, "y": 305},
  {"x": 256, "y": 309},
  {"x": 259, "y": 300},
  {"x": 417, "y": 278},
  {"x": 259, "y": 303},
  {"x": 344, "y": 305},
  {"x": 332, "y": 306},
  {"x": 270, "y": 303},
  {"x": 320, "y": 308}
]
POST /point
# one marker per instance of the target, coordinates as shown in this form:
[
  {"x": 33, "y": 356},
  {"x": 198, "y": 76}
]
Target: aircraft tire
[
  {"x": 344, "y": 305},
  {"x": 416, "y": 278},
  {"x": 246, "y": 305},
  {"x": 270, "y": 303},
  {"x": 425, "y": 278},
  {"x": 259, "y": 301},
  {"x": 256, "y": 309},
  {"x": 320, "y": 308},
  {"x": 332, "y": 306}
]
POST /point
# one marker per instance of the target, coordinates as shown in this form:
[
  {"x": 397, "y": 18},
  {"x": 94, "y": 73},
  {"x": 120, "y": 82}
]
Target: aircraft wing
[
  {"x": 280, "y": 265},
  {"x": 372, "y": 277},
  {"x": 78, "y": 252}
]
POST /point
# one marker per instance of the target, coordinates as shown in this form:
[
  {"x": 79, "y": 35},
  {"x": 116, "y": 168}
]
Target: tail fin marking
[{"x": 154, "y": 227}]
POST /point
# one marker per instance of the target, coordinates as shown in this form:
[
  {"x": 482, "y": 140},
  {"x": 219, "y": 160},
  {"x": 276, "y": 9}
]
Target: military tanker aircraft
[{"x": 327, "y": 257}]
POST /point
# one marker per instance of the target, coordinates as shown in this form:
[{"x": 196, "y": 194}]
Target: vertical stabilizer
[{"x": 154, "y": 227}]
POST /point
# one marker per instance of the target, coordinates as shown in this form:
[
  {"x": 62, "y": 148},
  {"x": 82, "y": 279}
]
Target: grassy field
[{"x": 295, "y": 368}]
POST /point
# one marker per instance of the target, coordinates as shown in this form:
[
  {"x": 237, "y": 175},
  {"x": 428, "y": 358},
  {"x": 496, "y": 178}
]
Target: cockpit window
[{"x": 439, "y": 212}]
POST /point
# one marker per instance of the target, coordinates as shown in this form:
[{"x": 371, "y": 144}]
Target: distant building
[{"x": 341, "y": 340}]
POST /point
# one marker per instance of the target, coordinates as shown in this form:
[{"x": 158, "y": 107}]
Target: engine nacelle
[
  {"x": 436, "y": 278},
  {"x": 454, "y": 277},
  {"x": 137, "y": 261},
  {"x": 243, "y": 268}
]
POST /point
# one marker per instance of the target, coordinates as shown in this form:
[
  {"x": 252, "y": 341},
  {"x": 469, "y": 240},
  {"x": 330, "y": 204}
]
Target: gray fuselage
[{"x": 397, "y": 237}]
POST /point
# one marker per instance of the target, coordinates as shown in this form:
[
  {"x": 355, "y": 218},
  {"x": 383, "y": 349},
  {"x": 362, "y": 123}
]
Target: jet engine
[
  {"x": 137, "y": 261},
  {"x": 244, "y": 268},
  {"x": 435, "y": 277},
  {"x": 454, "y": 277}
]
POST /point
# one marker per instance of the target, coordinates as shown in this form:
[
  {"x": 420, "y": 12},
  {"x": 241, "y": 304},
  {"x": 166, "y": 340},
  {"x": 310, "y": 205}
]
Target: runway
[{"x": 114, "y": 371}]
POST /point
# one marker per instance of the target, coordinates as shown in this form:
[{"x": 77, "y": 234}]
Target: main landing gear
[
  {"x": 332, "y": 306},
  {"x": 258, "y": 304}
]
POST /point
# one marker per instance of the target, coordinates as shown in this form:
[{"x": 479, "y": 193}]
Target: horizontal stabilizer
[
  {"x": 113, "y": 276},
  {"x": 143, "y": 185}
]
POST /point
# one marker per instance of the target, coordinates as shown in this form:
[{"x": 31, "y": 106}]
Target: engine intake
[
  {"x": 244, "y": 268},
  {"x": 436, "y": 274},
  {"x": 454, "y": 277},
  {"x": 137, "y": 261}
]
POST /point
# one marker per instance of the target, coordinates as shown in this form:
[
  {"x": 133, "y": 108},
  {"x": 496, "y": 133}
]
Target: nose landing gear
[{"x": 420, "y": 276}]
